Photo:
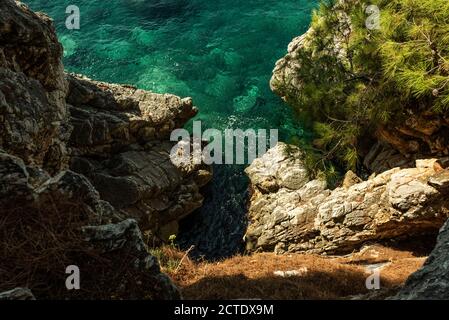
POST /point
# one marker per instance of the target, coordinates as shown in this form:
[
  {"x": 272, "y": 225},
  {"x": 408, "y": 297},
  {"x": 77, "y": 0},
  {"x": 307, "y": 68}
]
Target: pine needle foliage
[{"x": 356, "y": 78}]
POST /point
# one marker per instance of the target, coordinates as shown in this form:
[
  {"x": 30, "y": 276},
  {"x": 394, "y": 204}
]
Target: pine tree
[{"x": 357, "y": 78}]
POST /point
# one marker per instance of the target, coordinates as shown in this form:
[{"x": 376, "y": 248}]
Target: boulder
[
  {"x": 124, "y": 241},
  {"x": 280, "y": 167},
  {"x": 61, "y": 222}
]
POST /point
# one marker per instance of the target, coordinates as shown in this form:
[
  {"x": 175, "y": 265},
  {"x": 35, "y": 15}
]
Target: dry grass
[
  {"x": 252, "y": 277},
  {"x": 37, "y": 244},
  {"x": 36, "y": 247}
]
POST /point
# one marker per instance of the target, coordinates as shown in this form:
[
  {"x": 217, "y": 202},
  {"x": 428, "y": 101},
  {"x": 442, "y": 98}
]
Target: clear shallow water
[{"x": 219, "y": 52}]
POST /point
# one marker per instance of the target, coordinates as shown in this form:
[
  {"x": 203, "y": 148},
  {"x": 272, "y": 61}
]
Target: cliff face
[
  {"x": 33, "y": 112},
  {"x": 432, "y": 280},
  {"x": 289, "y": 213},
  {"x": 406, "y": 194},
  {"x": 84, "y": 167}
]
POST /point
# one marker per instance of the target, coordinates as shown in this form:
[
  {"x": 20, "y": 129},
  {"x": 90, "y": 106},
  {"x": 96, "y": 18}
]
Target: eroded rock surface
[
  {"x": 32, "y": 88},
  {"x": 63, "y": 221},
  {"x": 120, "y": 141},
  {"x": 289, "y": 213},
  {"x": 79, "y": 159},
  {"x": 124, "y": 241},
  {"x": 285, "y": 78}
]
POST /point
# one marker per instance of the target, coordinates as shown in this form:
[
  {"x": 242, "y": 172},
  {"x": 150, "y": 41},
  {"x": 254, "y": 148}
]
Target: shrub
[{"x": 355, "y": 79}]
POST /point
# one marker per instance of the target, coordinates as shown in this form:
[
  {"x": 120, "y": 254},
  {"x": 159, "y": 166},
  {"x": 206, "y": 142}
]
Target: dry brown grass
[
  {"x": 36, "y": 246},
  {"x": 252, "y": 277}
]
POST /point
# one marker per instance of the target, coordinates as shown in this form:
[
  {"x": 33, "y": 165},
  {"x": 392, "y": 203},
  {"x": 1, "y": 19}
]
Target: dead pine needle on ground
[{"x": 289, "y": 277}]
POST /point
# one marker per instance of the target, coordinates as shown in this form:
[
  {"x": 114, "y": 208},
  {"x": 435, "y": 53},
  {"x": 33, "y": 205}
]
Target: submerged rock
[{"x": 304, "y": 216}]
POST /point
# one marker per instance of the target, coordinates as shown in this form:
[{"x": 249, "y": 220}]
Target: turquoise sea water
[{"x": 219, "y": 52}]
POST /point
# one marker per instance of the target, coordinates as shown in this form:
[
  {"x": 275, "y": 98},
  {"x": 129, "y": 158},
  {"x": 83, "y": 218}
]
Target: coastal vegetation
[
  {"x": 87, "y": 181},
  {"x": 356, "y": 79}
]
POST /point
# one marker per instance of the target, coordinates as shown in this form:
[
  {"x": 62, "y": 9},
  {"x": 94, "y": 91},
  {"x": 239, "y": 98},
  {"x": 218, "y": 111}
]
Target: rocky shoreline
[
  {"x": 86, "y": 180},
  {"x": 405, "y": 195},
  {"x": 95, "y": 153}
]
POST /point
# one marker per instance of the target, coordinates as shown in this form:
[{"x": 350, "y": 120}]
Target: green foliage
[
  {"x": 168, "y": 255},
  {"x": 167, "y": 261},
  {"x": 356, "y": 79}
]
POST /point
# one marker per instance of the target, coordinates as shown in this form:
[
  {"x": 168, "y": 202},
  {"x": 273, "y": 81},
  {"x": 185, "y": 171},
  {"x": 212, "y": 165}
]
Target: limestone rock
[
  {"x": 350, "y": 179},
  {"x": 280, "y": 167},
  {"x": 48, "y": 219},
  {"x": 30, "y": 45},
  {"x": 116, "y": 138},
  {"x": 382, "y": 157},
  {"x": 421, "y": 133},
  {"x": 14, "y": 181},
  {"x": 281, "y": 213},
  {"x": 65, "y": 192},
  {"x": 125, "y": 238},
  {"x": 120, "y": 142},
  {"x": 32, "y": 88},
  {"x": 285, "y": 78},
  {"x": 310, "y": 218},
  {"x": 69, "y": 189},
  {"x": 432, "y": 280},
  {"x": 106, "y": 116}
]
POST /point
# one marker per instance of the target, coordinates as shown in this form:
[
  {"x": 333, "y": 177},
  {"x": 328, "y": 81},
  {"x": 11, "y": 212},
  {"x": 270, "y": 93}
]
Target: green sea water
[{"x": 219, "y": 52}]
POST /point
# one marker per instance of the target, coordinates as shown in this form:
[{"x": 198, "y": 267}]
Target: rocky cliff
[
  {"x": 84, "y": 167},
  {"x": 120, "y": 142},
  {"x": 401, "y": 139},
  {"x": 290, "y": 213}
]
